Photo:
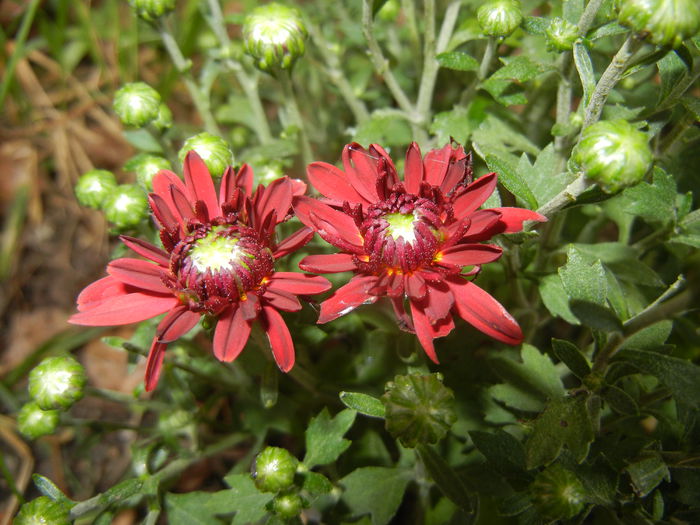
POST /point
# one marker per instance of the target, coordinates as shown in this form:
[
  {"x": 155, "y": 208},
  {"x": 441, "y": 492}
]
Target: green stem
[
  {"x": 489, "y": 53},
  {"x": 609, "y": 79},
  {"x": 248, "y": 82},
  {"x": 676, "y": 132},
  {"x": 18, "y": 50},
  {"x": 290, "y": 99},
  {"x": 566, "y": 196},
  {"x": 199, "y": 97},
  {"x": 588, "y": 16},
  {"x": 563, "y": 109}
]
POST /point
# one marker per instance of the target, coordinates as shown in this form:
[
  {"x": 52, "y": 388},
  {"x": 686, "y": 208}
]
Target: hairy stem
[{"x": 566, "y": 196}]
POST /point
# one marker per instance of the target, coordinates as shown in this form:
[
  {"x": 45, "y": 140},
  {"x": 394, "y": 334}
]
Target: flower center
[
  {"x": 401, "y": 225},
  {"x": 216, "y": 266}
]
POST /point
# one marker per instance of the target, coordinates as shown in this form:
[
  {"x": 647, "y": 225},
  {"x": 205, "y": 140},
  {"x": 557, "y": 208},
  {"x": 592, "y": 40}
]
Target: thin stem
[
  {"x": 564, "y": 96},
  {"x": 431, "y": 49},
  {"x": 290, "y": 99},
  {"x": 18, "y": 50},
  {"x": 489, "y": 53},
  {"x": 588, "y": 16},
  {"x": 380, "y": 63},
  {"x": 609, "y": 79},
  {"x": 566, "y": 196},
  {"x": 676, "y": 132},
  {"x": 248, "y": 82},
  {"x": 199, "y": 97}
]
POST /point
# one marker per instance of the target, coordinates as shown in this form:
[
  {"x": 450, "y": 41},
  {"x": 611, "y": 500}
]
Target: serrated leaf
[
  {"x": 681, "y": 377},
  {"x": 363, "y": 403},
  {"x": 572, "y": 10},
  {"x": 375, "y": 490},
  {"x": 572, "y": 357},
  {"x": 458, "y": 61},
  {"x": 555, "y": 298},
  {"x": 203, "y": 508},
  {"x": 381, "y": 128},
  {"x": 493, "y": 136},
  {"x": 584, "y": 66},
  {"x": 672, "y": 69},
  {"x": 620, "y": 401},
  {"x": 647, "y": 473},
  {"x": 316, "y": 484},
  {"x": 651, "y": 337},
  {"x": 455, "y": 124},
  {"x": 517, "y": 398},
  {"x": 244, "y": 499},
  {"x": 653, "y": 202},
  {"x": 324, "y": 437},
  {"x": 503, "y": 84},
  {"x": 541, "y": 177},
  {"x": 508, "y": 176},
  {"x": 535, "y": 25},
  {"x": 505, "y": 453},
  {"x": 564, "y": 422},
  {"x": 595, "y": 315},
  {"x": 583, "y": 281},
  {"x": 692, "y": 104}
]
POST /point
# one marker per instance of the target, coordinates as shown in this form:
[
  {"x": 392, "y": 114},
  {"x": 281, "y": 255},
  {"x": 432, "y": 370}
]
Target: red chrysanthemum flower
[
  {"x": 411, "y": 240},
  {"x": 219, "y": 259}
]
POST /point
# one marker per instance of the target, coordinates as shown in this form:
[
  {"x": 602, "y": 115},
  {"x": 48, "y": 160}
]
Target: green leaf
[
  {"x": 511, "y": 180},
  {"x": 647, "y": 473},
  {"x": 142, "y": 140},
  {"x": 517, "y": 70},
  {"x": 582, "y": 280},
  {"x": 555, "y": 298},
  {"x": 671, "y": 70},
  {"x": 445, "y": 477},
  {"x": 324, "y": 437},
  {"x": 244, "y": 499},
  {"x": 654, "y": 202},
  {"x": 541, "y": 177},
  {"x": 681, "y": 377},
  {"x": 651, "y": 337},
  {"x": 517, "y": 398},
  {"x": 455, "y": 124},
  {"x": 501, "y": 450},
  {"x": 584, "y": 66},
  {"x": 380, "y": 128},
  {"x": 535, "y": 25},
  {"x": 564, "y": 422},
  {"x": 316, "y": 484},
  {"x": 494, "y": 136},
  {"x": 572, "y": 10},
  {"x": 49, "y": 489},
  {"x": 375, "y": 490},
  {"x": 572, "y": 357},
  {"x": 692, "y": 104},
  {"x": 620, "y": 401},
  {"x": 363, "y": 403},
  {"x": 595, "y": 315},
  {"x": 458, "y": 61}
]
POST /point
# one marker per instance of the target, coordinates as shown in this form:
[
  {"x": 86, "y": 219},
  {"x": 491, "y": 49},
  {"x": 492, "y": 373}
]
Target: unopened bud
[
  {"x": 667, "y": 22},
  {"x": 151, "y": 10},
  {"x": 94, "y": 186},
  {"x": 127, "y": 206},
  {"x": 557, "y": 493},
  {"x": 500, "y": 17},
  {"x": 137, "y": 104},
  {"x": 213, "y": 150},
  {"x": 33, "y": 422},
  {"x": 287, "y": 506},
  {"x": 146, "y": 166},
  {"x": 274, "y": 469},
  {"x": 57, "y": 383},
  {"x": 42, "y": 511},
  {"x": 561, "y": 35},
  {"x": 274, "y": 36}
]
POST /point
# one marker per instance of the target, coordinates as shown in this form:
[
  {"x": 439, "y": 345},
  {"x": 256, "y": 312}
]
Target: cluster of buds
[
  {"x": 146, "y": 166},
  {"x": 561, "y": 35},
  {"x": 274, "y": 471},
  {"x": 54, "y": 386},
  {"x": 665, "y": 22}
]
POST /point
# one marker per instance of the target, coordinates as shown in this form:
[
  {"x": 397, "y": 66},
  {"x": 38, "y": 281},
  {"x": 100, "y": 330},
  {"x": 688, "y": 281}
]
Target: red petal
[
  {"x": 162, "y": 182},
  {"x": 138, "y": 273},
  {"x": 333, "y": 183},
  {"x": 415, "y": 286},
  {"x": 344, "y": 224},
  {"x": 475, "y": 195},
  {"x": 182, "y": 206},
  {"x": 457, "y": 170},
  {"x": 231, "y": 335},
  {"x": 276, "y": 198},
  {"x": 154, "y": 364},
  {"x": 405, "y": 321},
  {"x": 484, "y": 225},
  {"x": 293, "y": 242},
  {"x": 244, "y": 179},
  {"x": 327, "y": 263},
  {"x": 124, "y": 309},
  {"x": 424, "y": 332},
  {"x": 379, "y": 152},
  {"x": 470, "y": 254},
  {"x": 147, "y": 250},
  {"x": 298, "y": 283},
  {"x": 484, "y": 313},
  {"x": 438, "y": 302},
  {"x": 436, "y": 163},
  {"x": 281, "y": 300},
  {"x": 100, "y": 290},
  {"x": 200, "y": 183},
  {"x": 513, "y": 218},
  {"x": 348, "y": 297},
  {"x": 361, "y": 171},
  {"x": 280, "y": 339},
  {"x": 163, "y": 212},
  {"x": 413, "y": 172},
  {"x": 176, "y": 323}
]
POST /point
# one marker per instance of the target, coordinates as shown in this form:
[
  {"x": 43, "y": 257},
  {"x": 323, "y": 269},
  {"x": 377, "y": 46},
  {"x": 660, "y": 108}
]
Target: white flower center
[
  {"x": 401, "y": 225},
  {"x": 215, "y": 253}
]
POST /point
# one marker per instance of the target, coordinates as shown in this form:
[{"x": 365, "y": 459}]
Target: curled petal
[
  {"x": 231, "y": 335},
  {"x": 232, "y": 181},
  {"x": 100, "y": 290},
  {"x": 293, "y": 242},
  {"x": 162, "y": 182},
  {"x": 163, "y": 212},
  {"x": 281, "y": 300},
  {"x": 484, "y": 224},
  {"x": 470, "y": 254},
  {"x": 138, "y": 273},
  {"x": 438, "y": 302},
  {"x": 348, "y": 297},
  {"x": 428, "y": 330},
  {"x": 176, "y": 323},
  {"x": 280, "y": 338},
  {"x": 413, "y": 172},
  {"x": 200, "y": 183},
  {"x": 298, "y": 283},
  {"x": 147, "y": 250},
  {"x": 154, "y": 363},
  {"x": 483, "y": 312},
  {"x": 124, "y": 309},
  {"x": 474, "y": 195},
  {"x": 436, "y": 163},
  {"x": 333, "y": 183},
  {"x": 513, "y": 218},
  {"x": 275, "y": 198},
  {"x": 361, "y": 171},
  {"x": 342, "y": 224}
]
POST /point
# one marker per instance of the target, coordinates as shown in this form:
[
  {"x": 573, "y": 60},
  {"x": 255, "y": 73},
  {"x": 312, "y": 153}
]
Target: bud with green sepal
[
  {"x": 94, "y": 186},
  {"x": 33, "y": 422},
  {"x": 557, "y": 493},
  {"x": 137, "y": 104},
  {"x": 127, "y": 206},
  {"x": 146, "y": 167},
  {"x": 288, "y": 506},
  {"x": 213, "y": 150},
  {"x": 500, "y": 17},
  {"x": 164, "y": 120},
  {"x": 419, "y": 409},
  {"x": 43, "y": 511},
  {"x": 57, "y": 383},
  {"x": 152, "y": 10},
  {"x": 613, "y": 154},
  {"x": 274, "y": 469},
  {"x": 389, "y": 11},
  {"x": 561, "y": 35},
  {"x": 667, "y": 22},
  {"x": 274, "y": 36}
]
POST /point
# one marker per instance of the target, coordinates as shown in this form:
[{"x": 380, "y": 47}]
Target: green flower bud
[
  {"x": 274, "y": 35},
  {"x": 419, "y": 409},
  {"x": 42, "y": 511},
  {"x": 137, "y": 104},
  {"x": 613, "y": 154},
  {"x": 94, "y": 186},
  {"x": 269, "y": 173},
  {"x": 126, "y": 206},
  {"x": 33, "y": 422},
  {"x": 287, "y": 506},
  {"x": 151, "y": 10},
  {"x": 214, "y": 152},
  {"x": 561, "y": 35},
  {"x": 500, "y": 18},
  {"x": 557, "y": 493},
  {"x": 667, "y": 22},
  {"x": 146, "y": 166},
  {"x": 164, "y": 120},
  {"x": 389, "y": 11},
  {"x": 57, "y": 383},
  {"x": 274, "y": 469}
]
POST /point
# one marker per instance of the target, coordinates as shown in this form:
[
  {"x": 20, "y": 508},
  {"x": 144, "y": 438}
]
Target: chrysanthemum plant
[{"x": 426, "y": 262}]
